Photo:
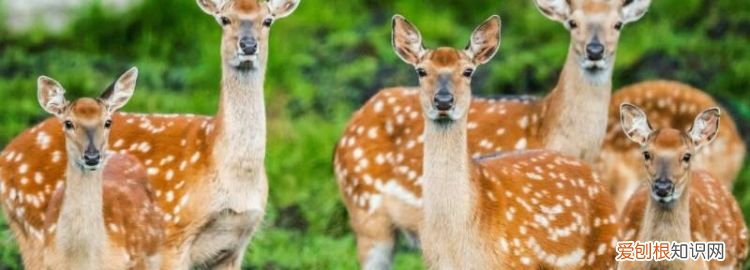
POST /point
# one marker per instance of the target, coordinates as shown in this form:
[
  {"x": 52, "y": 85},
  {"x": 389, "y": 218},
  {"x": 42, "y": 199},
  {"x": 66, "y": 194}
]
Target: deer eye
[
  {"x": 468, "y": 72},
  {"x": 646, "y": 155},
  {"x": 618, "y": 25},
  {"x": 224, "y": 21},
  {"x": 572, "y": 24},
  {"x": 108, "y": 124},
  {"x": 421, "y": 72},
  {"x": 686, "y": 157},
  {"x": 267, "y": 22},
  {"x": 68, "y": 124}
]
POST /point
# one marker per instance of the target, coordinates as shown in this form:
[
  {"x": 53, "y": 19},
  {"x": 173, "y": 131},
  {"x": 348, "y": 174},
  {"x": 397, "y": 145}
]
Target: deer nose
[
  {"x": 595, "y": 51},
  {"x": 248, "y": 45},
  {"x": 444, "y": 101},
  {"x": 91, "y": 156},
  {"x": 662, "y": 187}
]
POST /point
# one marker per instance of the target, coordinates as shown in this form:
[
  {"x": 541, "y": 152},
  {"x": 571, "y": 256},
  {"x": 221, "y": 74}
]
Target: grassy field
[{"x": 326, "y": 59}]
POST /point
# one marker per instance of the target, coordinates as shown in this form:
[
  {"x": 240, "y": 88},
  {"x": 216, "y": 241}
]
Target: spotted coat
[{"x": 714, "y": 216}]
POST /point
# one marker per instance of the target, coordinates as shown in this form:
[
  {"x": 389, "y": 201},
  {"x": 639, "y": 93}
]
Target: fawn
[
  {"x": 104, "y": 215},
  {"x": 668, "y": 104},
  {"x": 526, "y": 209},
  {"x": 677, "y": 203}
]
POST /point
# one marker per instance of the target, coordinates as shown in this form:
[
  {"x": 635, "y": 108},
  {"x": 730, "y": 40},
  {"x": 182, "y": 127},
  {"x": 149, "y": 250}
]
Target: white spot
[
  {"x": 378, "y": 106},
  {"x": 168, "y": 176},
  {"x": 195, "y": 157},
  {"x": 43, "y": 140},
  {"x": 118, "y": 143},
  {"x": 521, "y": 144},
  {"x": 523, "y": 122},
  {"x": 152, "y": 170},
  {"x": 169, "y": 196},
  {"x": 357, "y": 153},
  {"x": 23, "y": 168},
  {"x": 38, "y": 177}
]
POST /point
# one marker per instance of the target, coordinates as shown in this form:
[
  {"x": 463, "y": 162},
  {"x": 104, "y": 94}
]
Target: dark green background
[{"x": 326, "y": 59}]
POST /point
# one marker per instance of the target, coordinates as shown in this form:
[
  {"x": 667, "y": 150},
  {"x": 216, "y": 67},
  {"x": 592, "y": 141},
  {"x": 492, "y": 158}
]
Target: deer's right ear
[
  {"x": 634, "y": 123},
  {"x": 118, "y": 94},
  {"x": 208, "y": 6},
  {"x": 51, "y": 95},
  {"x": 406, "y": 40},
  {"x": 557, "y": 10}
]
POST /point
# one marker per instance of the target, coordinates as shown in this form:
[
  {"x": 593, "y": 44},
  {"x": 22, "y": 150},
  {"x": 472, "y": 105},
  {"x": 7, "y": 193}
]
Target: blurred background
[{"x": 326, "y": 59}]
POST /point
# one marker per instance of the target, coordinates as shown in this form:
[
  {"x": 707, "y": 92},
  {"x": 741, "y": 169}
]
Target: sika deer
[
  {"x": 678, "y": 203},
  {"x": 378, "y": 160},
  {"x": 104, "y": 215},
  {"x": 668, "y": 104},
  {"x": 526, "y": 209},
  {"x": 208, "y": 173}
]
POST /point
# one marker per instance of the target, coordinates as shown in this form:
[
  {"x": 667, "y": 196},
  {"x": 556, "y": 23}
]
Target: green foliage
[{"x": 329, "y": 57}]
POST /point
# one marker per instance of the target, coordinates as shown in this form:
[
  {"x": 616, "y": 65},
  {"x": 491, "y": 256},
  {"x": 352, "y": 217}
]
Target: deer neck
[
  {"x": 448, "y": 194},
  {"x": 669, "y": 224},
  {"x": 240, "y": 145},
  {"x": 577, "y": 106},
  {"x": 80, "y": 234}
]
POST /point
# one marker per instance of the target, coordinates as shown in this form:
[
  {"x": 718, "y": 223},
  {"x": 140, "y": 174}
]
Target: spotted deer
[
  {"x": 207, "y": 172},
  {"x": 668, "y": 104},
  {"x": 104, "y": 215},
  {"x": 518, "y": 210},
  {"x": 677, "y": 202},
  {"x": 378, "y": 160}
]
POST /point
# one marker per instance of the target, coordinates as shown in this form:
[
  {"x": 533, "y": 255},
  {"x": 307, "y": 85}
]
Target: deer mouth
[{"x": 244, "y": 61}]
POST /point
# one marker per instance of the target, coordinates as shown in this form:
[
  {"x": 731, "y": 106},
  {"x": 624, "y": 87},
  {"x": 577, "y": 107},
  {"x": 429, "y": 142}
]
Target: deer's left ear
[
  {"x": 485, "y": 40},
  {"x": 633, "y": 10},
  {"x": 118, "y": 94},
  {"x": 282, "y": 8},
  {"x": 705, "y": 127}
]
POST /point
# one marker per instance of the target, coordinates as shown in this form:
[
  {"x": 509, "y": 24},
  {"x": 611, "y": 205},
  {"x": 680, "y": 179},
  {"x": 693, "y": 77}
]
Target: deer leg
[
  {"x": 375, "y": 239},
  {"x": 223, "y": 240}
]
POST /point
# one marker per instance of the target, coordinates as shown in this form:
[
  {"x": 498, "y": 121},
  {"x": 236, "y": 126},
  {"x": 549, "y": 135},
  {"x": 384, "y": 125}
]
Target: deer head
[
  {"x": 594, "y": 27},
  {"x": 445, "y": 73},
  {"x": 667, "y": 153},
  {"x": 86, "y": 121},
  {"x": 246, "y": 25}
]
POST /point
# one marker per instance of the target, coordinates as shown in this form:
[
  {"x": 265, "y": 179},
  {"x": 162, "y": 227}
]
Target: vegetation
[{"x": 326, "y": 60}]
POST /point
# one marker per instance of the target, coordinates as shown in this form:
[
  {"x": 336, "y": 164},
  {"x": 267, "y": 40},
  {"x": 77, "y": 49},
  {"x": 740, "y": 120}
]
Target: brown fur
[{"x": 668, "y": 104}]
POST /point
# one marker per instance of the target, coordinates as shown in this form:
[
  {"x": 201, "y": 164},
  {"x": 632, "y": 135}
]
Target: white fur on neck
[
  {"x": 240, "y": 146},
  {"x": 80, "y": 235},
  {"x": 667, "y": 224},
  {"x": 575, "y": 123},
  {"x": 450, "y": 236}
]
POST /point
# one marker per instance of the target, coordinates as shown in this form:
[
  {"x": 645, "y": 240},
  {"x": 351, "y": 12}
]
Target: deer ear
[
  {"x": 633, "y": 10},
  {"x": 208, "y": 6},
  {"x": 118, "y": 94},
  {"x": 406, "y": 40},
  {"x": 282, "y": 8},
  {"x": 634, "y": 123},
  {"x": 556, "y": 10},
  {"x": 485, "y": 40},
  {"x": 51, "y": 95},
  {"x": 705, "y": 127}
]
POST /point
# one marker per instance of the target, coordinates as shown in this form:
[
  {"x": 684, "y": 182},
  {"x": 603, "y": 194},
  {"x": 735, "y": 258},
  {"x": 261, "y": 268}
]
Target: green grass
[{"x": 326, "y": 59}]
